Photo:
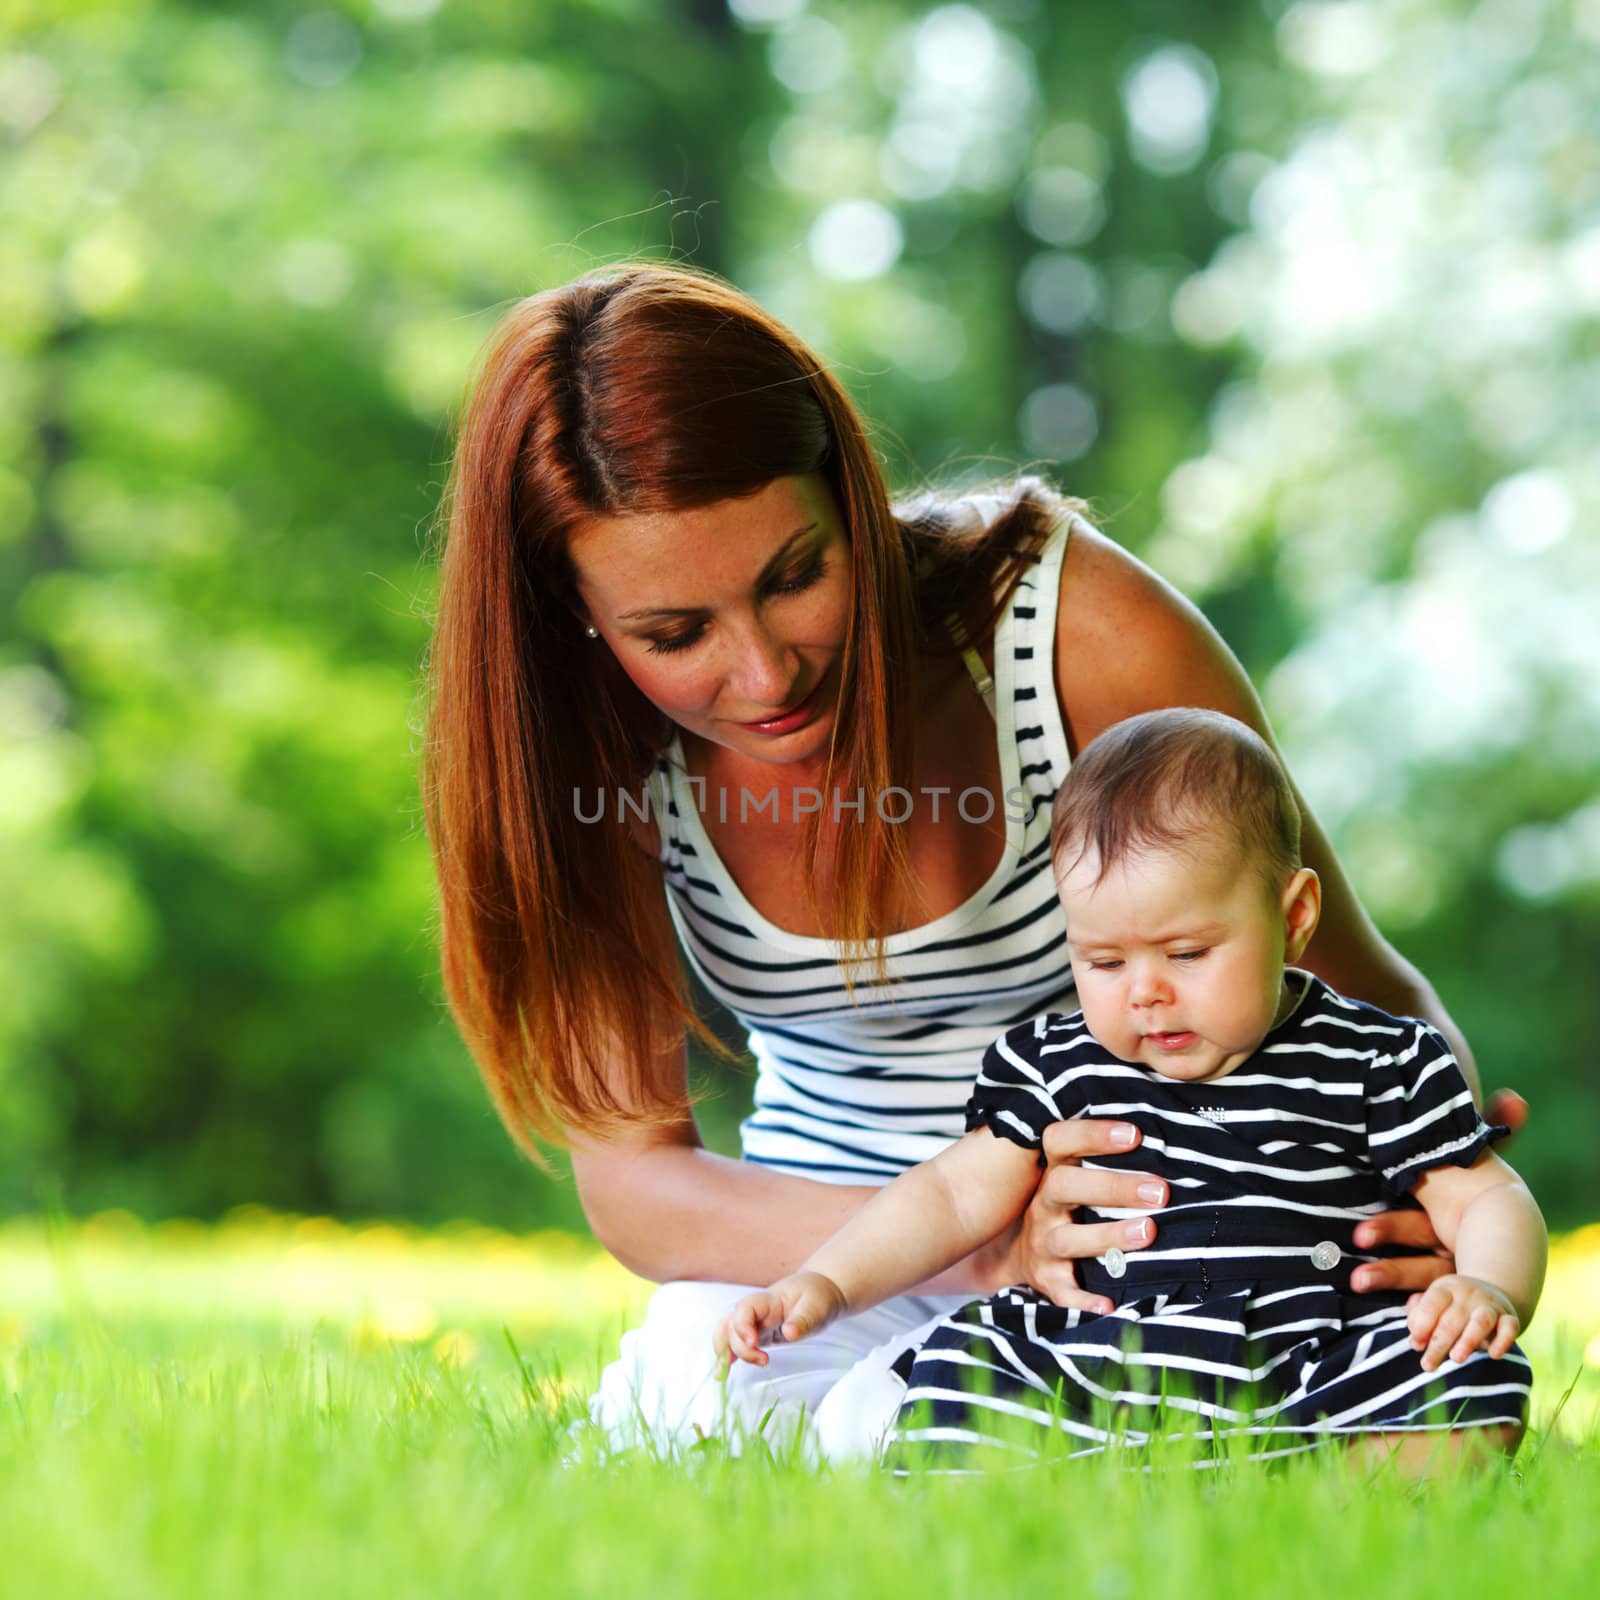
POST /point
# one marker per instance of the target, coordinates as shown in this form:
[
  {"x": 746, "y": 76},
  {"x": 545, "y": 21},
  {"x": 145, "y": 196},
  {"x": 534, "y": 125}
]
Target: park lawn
[{"x": 291, "y": 1406}]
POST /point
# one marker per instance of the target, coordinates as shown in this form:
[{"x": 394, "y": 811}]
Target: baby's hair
[{"x": 1162, "y": 780}]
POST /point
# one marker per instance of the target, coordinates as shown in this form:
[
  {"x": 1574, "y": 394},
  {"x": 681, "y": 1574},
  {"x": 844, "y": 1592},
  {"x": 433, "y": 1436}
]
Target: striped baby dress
[
  {"x": 855, "y": 1090},
  {"x": 1237, "y": 1327}
]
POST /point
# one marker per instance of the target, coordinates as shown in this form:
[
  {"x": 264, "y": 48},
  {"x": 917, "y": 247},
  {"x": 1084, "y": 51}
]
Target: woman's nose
[{"x": 764, "y": 669}]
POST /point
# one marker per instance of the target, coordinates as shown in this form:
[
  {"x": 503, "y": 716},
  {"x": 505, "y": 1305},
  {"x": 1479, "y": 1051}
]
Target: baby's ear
[{"x": 1302, "y": 910}]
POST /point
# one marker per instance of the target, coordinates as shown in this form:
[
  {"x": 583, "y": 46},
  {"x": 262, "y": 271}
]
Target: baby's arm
[
  {"x": 912, "y": 1228},
  {"x": 1485, "y": 1215}
]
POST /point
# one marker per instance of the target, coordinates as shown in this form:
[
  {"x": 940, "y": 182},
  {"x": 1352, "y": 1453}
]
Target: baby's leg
[
  {"x": 1438, "y": 1453},
  {"x": 1370, "y": 1387}
]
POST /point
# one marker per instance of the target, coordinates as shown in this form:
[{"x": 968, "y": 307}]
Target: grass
[{"x": 281, "y": 1405}]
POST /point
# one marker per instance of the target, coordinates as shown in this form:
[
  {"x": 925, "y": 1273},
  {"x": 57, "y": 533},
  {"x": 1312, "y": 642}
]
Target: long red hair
[{"x": 640, "y": 389}]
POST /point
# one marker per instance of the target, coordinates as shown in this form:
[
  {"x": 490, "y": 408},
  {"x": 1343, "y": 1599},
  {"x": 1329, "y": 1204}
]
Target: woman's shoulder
[
  {"x": 971, "y": 550},
  {"x": 1127, "y": 641}
]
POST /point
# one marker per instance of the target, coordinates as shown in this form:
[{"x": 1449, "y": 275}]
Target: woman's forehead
[{"x": 682, "y": 560}]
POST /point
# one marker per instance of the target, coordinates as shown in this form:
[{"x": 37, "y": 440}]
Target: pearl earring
[{"x": 592, "y": 631}]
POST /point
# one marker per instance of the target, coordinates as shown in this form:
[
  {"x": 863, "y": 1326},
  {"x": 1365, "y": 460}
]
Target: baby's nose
[{"x": 1149, "y": 990}]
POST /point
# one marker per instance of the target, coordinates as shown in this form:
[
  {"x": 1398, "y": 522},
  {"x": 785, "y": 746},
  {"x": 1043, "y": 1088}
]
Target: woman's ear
[{"x": 1302, "y": 910}]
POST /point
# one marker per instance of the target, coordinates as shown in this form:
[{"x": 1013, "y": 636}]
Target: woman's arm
[{"x": 667, "y": 1208}]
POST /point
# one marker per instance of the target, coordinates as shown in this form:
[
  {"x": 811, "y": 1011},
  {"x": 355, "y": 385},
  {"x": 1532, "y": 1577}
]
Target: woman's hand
[
  {"x": 1042, "y": 1247},
  {"x": 1413, "y": 1230},
  {"x": 1507, "y": 1106}
]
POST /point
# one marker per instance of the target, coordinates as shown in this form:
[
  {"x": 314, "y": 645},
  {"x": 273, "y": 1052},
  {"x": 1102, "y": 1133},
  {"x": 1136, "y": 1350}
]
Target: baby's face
[{"x": 1179, "y": 954}]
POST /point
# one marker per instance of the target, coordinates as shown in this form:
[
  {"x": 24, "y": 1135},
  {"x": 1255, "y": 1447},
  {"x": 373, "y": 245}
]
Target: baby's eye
[
  {"x": 1189, "y": 955},
  {"x": 1105, "y": 966},
  {"x": 677, "y": 641}
]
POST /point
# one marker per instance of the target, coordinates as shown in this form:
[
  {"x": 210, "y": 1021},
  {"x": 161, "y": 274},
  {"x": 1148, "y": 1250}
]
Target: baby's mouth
[{"x": 1172, "y": 1041}]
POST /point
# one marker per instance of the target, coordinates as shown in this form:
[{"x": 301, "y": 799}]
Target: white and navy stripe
[{"x": 854, "y": 1089}]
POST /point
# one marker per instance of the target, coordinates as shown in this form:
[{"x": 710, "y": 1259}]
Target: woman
[{"x": 697, "y": 686}]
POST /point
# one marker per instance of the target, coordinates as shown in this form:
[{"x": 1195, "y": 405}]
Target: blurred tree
[
  {"x": 246, "y": 258},
  {"x": 1393, "y": 512},
  {"x": 246, "y": 262}
]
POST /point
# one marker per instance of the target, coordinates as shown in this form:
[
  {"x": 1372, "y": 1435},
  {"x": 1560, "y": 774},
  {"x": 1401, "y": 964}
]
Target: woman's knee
[
  {"x": 686, "y": 1309},
  {"x": 855, "y": 1416},
  {"x": 663, "y": 1388}
]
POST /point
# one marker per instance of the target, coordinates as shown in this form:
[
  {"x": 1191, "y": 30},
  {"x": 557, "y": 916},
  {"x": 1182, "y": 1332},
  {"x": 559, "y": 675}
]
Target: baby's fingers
[
  {"x": 744, "y": 1333},
  {"x": 1422, "y": 1315},
  {"x": 1446, "y": 1331},
  {"x": 1477, "y": 1333},
  {"x": 1505, "y": 1335},
  {"x": 801, "y": 1319}
]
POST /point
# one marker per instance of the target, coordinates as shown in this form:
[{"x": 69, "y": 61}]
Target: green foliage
[
  {"x": 281, "y": 1404},
  {"x": 204, "y": 1461},
  {"x": 246, "y": 258}
]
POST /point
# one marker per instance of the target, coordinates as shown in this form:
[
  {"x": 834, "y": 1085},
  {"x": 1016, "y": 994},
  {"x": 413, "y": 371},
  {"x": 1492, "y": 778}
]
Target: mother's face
[{"x": 730, "y": 618}]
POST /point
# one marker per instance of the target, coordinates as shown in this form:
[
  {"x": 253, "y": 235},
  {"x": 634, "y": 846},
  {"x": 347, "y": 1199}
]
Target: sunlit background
[{"x": 1304, "y": 297}]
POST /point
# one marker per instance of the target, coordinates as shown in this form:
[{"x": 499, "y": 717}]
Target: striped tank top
[{"x": 855, "y": 1090}]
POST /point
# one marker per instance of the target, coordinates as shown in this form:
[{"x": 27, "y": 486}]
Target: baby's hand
[
  {"x": 1456, "y": 1315},
  {"x": 793, "y": 1307}
]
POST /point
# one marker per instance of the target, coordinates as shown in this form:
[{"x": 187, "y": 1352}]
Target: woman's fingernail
[
  {"x": 1122, "y": 1133},
  {"x": 1151, "y": 1193},
  {"x": 1138, "y": 1232},
  {"x": 1360, "y": 1281}
]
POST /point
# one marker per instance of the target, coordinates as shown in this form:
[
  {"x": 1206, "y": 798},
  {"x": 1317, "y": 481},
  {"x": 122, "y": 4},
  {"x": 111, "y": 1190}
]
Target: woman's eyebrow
[{"x": 694, "y": 611}]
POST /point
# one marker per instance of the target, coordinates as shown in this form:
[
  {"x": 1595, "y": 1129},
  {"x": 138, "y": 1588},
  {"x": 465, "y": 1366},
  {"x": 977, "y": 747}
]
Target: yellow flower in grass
[
  {"x": 455, "y": 1347},
  {"x": 398, "y": 1321}
]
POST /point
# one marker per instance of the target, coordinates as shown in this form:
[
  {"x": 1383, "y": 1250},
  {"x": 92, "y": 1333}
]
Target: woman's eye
[
  {"x": 1188, "y": 955},
  {"x": 792, "y": 582},
  {"x": 676, "y": 641},
  {"x": 800, "y": 577}
]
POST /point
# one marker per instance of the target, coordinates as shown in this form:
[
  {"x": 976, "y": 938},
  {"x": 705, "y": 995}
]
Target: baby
[{"x": 1280, "y": 1114}]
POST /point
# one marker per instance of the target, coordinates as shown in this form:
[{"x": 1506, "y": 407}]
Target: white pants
[{"x": 830, "y": 1396}]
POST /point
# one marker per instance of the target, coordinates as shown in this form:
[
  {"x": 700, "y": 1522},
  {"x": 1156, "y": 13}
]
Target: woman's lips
[{"x": 787, "y": 721}]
